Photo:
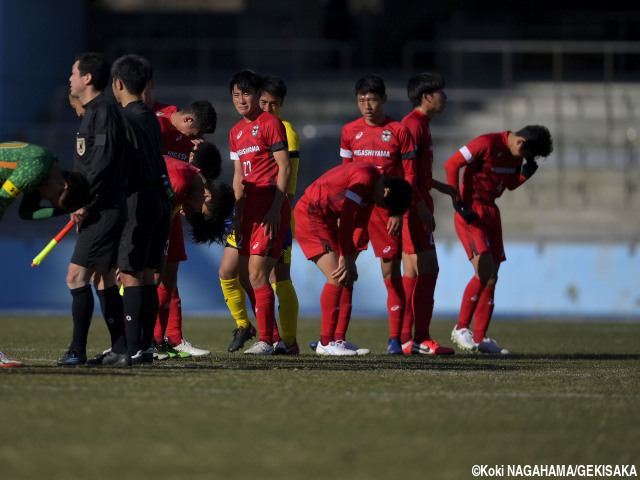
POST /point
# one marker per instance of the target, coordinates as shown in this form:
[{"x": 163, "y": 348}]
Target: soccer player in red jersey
[
  {"x": 382, "y": 141},
  {"x": 262, "y": 170},
  {"x": 339, "y": 201},
  {"x": 491, "y": 163},
  {"x": 419, "y": 259},
  {"x": 182, "y": 132},
  {"x": 206, "y": 204}
]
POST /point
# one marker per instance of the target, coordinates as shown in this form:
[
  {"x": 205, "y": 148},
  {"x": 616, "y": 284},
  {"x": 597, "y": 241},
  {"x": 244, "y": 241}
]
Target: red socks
[
  {"x": 330, "y": 305},
  {"x": 395, "y": 305},
  {"x": 265, "y": 302},
  {"x": 483, "y": 314},
  {"x": 408, "y": 284},
  {"x": 469, "y": 302},
  {"x": 344, "y": 315},
  {"x": 164, "y": 301},
  {"x": 174, "y": 325},
  {"x": 423, "y": 305}
]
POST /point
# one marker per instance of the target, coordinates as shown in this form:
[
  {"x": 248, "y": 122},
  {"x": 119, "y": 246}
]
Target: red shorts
[
  {"x": 416, "y": 237},
  {"x": 484, "y": 235},
  {"x": 314, "y": 235},
  {"x": 252, "y": 239},
  {"x": 384, "y": 245},
  {"x": 174, "y": 250}
]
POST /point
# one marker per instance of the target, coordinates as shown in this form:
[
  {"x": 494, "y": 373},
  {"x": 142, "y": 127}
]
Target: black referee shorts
[
  {"x": 149, "y": 214},
  {"x": 99, "y": 234}
]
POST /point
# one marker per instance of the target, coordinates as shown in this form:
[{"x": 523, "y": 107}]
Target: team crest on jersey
[
  {"x": 386, "y": 135},
  {"x": 254, "y": 131},
  {"x": 358, "y": 135},
  {"x": 81, "y": 146}
]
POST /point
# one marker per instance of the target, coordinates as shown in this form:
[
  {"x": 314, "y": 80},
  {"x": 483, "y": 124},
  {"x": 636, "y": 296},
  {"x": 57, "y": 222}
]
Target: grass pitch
[{"x": 568, "y": 395}]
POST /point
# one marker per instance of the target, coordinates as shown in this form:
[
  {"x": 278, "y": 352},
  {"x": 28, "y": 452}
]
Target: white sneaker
[
  {"x": 353, "y": 346},
  {"x": 463, "y": 338},
  {"x": 6, "y": 362},
  {"x": 260, "y": 348},
  {"x": 489, "y": 345},
  {"x": 337, "y": 348},
  {"x": 186, "y": 347}
]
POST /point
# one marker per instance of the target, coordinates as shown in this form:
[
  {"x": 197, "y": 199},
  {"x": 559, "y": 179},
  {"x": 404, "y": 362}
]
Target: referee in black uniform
[
  {"x": 149, "y": 207},
  {"x": 99, "y": 158}
]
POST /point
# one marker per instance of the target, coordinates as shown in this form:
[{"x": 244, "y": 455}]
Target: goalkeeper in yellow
[{"x": 272, "y": 96}]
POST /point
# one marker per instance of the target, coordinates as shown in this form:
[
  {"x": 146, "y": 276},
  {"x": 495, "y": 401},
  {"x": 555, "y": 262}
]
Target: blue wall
[{"x": 557, "y": 279}]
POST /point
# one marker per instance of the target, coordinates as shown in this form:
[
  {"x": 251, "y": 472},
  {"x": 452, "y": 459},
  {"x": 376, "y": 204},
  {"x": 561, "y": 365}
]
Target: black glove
[
  {"x": 465, "y": 212},
  {"x": 529, "y": 167}
]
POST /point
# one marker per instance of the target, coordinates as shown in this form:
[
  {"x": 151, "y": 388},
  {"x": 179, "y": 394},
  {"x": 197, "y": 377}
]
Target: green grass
[{"x": 569, "y": 395}]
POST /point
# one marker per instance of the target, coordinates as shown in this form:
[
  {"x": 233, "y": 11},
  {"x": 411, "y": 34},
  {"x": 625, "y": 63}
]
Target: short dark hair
[
  {"x": 77, "y": 194},
  {"x": 216, "y": 225},
  {"x": 398, "y": 200},
  {"x": 133, "y": 71},
  {"x": 422, "y": 83},
  {"x": 537, "y": 140},
  {"x": 274, "y": 85},
  {"x": 95, "y": 64},
  {"x": 370, "y": 83},
  {"x": 208, "y": 159},
  {"x": 246, "y": 80},
  {"x": 205, "y": 118}
]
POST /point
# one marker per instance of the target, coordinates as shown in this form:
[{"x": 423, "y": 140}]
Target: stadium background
[{"x": 572, "y": 234}]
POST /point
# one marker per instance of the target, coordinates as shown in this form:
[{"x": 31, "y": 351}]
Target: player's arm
[
  {"x": 238, "y": 190},
  {"x": 31, "y": 208},
  {"x": 195, "y": 198},
  {"x": 527, "y": 170},
  {"x": 452, "y": 167},
  {"x": 271, "y": 221},
  {"x": 445, "y": 188},
  {"x": 347, "y": 272}
]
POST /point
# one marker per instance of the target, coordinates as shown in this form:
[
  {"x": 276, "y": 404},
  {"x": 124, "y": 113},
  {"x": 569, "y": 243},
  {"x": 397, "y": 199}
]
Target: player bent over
[
  {"x": 491, "y": 164},
  {"x": 206, "y": 204},
  {"x": 326, "y": 215},
  {"x": 32, "y": 172}
]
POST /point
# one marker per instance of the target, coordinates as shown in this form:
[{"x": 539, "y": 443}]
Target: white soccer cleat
[
  {"x": 6, "y": 362},
  {"x": 489, "y": 345},
  {"x": 186, "y": 347},
  {"x": 463, "y": 338},
  {"x": 353, "y": 346},
  {"x": 335, "y": 349},
  {"x": 260, "y": 348}
]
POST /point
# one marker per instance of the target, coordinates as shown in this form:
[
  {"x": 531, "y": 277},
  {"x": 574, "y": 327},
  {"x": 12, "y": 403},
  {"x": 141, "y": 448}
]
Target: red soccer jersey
[
  {"x": 389, "y": 146},
  {"x": 490, "y": 168},
  {"x": 174, "y": 143},
  {"x": 328, "y": 194},
  {"x": 181, "y": 175},
  {"x": 418, "y": 124},
  {"x": 253, "y": 144}
]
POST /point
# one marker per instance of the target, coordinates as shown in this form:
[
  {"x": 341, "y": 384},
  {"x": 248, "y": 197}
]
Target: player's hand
[
  {"x": 197, "y": 142},
  {"x": 426, "y": 216},
  {"x": 529, "y": 167},
  {"x": 271, "y": 223},
  {"x": 79, "y": 215},
  {"x": 346, "y": 273},
  {"x": 465, "y": 212},
  {"x": 394, "y": 225}
]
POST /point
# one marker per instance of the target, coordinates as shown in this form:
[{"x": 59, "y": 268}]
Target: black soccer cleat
[
  {"x": 240, "y": 337},
  {"x": 72, "y": 359}
]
